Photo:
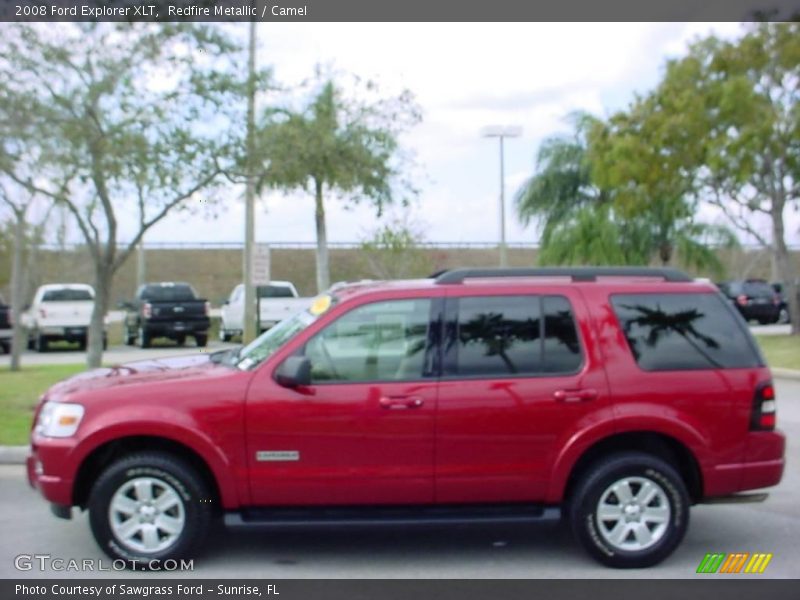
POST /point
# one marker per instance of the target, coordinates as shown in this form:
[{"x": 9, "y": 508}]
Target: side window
[
  {"x": 673, "y": 332},
  {"x": 383, "y": 341},
  {"x": 512, "y": 335},
  {"x": 562, "y": 350}
]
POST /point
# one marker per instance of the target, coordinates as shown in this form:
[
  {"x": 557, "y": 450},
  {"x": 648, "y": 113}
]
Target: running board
[
  {"x": 738, "y": 498},
  {"x": 388, "y": 516}
]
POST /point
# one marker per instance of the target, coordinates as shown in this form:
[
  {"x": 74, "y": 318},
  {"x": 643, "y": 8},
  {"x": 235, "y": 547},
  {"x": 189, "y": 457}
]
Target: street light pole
[
  {"x": 249, "y": 316},
  {"x": 502, "y": 132}
]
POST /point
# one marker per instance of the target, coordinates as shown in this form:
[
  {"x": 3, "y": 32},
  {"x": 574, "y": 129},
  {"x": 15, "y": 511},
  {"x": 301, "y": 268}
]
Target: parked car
[
  {"x": 618, "y": 397},
  {"x": 6, "y": 325},
  {"x": 755, "y": 299},
  {"x": 60, "y": 312},
  {"x": 276, "y": 301},
  {"x": 168, "y": 310}
]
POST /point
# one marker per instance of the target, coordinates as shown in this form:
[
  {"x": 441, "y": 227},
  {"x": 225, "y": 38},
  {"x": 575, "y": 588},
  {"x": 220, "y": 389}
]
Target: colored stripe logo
[{"x": 736, "y": 562}]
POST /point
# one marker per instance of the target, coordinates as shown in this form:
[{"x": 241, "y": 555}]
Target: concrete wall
[{"x": 214, "y": 272}]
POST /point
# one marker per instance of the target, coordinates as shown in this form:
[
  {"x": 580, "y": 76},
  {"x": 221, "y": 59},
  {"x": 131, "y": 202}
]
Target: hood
[{"x": 143, "y": 371}]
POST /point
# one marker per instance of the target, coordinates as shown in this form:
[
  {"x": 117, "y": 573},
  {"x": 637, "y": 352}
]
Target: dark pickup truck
[
  {"x": 5, "y": 326},
  {"x": 167, "y": 310}
]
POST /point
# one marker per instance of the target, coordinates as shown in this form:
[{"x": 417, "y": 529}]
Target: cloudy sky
[{"x": 465, "y": 76}]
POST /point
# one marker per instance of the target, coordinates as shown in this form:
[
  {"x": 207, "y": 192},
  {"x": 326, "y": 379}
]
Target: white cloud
[{"x": 464, "y": 76}]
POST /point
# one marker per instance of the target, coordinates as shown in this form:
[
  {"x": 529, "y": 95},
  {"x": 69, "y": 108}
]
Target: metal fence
[{"x": 333, "y": 245}]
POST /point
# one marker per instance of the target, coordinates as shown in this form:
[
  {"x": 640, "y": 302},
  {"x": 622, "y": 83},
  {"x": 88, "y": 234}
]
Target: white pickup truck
[
  {"x": 59, "y": 312},
  {"x": 276, "y": 301}
]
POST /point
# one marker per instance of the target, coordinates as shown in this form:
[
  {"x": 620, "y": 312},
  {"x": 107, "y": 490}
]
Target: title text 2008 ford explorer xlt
[{"x": 617, "y": 396}]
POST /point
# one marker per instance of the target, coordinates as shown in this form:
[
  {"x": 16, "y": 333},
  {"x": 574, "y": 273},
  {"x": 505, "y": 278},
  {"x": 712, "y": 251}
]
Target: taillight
[
  {"x": 764, "y": 408},
  {"x": 208, "y": 309},
  {"x": 741, "y": 300},
  {"x": 10, "y": 317},
  {"x": 147, "y": 310},
  {"x": 776, "y": 300}
]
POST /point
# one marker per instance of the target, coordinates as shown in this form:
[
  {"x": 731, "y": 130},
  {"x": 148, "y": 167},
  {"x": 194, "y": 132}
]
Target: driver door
[{"x": 363, "y": 431}]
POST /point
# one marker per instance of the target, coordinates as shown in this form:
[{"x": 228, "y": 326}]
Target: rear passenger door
[{"x": 517, "y": 383}]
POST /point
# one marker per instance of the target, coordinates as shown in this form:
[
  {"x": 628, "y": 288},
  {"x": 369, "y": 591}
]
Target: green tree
[
  {"x": 121, "y": 123},
  {"x": 735, "y": 128},
  {"x": 336, "y": 146},
  {"x": 600, "y": 201},
  {"x": 394, "y": 252},
  {"x": 562, "y": 183}
]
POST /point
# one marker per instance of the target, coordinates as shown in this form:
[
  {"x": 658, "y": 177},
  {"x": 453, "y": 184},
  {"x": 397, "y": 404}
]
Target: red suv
[{"x": 616, "y": 396}]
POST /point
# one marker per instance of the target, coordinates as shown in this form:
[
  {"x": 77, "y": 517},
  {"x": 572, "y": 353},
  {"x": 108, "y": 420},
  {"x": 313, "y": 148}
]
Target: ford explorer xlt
[{"x": 616, "y": 397}]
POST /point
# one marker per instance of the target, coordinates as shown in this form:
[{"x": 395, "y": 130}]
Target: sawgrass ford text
[
  {"x": 145, "y": 590},
  {"x": 153, "y": 11}
]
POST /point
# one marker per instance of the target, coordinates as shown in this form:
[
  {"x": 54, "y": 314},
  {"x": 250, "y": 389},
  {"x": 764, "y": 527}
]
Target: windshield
[{"x": 268, "y": 342}]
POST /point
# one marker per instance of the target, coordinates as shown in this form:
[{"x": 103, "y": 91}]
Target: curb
[
  {"x": 14, "y": 455},
  {"x": 786, "y": 374}
]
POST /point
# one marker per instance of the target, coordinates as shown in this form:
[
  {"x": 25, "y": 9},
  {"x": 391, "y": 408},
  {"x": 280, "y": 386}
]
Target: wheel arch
[
  {"x": 102, "y": 456},
  {"x": 664, "y": 446}
]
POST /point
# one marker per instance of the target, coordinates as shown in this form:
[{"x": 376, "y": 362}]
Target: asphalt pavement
[{"x": 536, "y": 551}]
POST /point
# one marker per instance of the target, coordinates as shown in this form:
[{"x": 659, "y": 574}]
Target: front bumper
[{"x": 49, "y": 471}]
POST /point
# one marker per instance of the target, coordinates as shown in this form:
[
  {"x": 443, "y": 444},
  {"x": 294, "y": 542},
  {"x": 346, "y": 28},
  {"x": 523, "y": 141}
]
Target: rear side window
[
  {"x": 66, "y": 295},
  {"x": 677, "y": 332},
  {"x": 511, "y": 335}
]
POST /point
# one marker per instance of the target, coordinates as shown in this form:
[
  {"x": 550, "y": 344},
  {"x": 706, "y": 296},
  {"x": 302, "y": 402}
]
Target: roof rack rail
[{"x": 576, "y": 273}]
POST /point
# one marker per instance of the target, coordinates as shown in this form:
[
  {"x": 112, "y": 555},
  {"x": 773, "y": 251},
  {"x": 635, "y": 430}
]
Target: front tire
[
  {"x": 149, "y": 506},
  {"x": 630, "y": 510}
]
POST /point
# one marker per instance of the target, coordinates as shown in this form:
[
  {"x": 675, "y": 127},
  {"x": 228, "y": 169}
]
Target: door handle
[
  {"x": 400, "y": 402},
  {"x": 575, "y": 395}
]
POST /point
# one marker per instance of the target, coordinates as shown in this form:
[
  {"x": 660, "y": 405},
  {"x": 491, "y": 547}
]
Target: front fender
[{"x": 167, "y": 424}]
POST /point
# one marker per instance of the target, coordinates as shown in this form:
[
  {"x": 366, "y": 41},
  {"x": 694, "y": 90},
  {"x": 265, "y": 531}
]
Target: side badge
[{"x": 277, "y": 455}]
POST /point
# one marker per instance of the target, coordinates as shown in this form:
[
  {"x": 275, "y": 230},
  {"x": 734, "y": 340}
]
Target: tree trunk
[
  {"x": 784, "y": 268},
  {"x": 102, "y": 292},
  {"x": 18, "y": 341},
  {"x": 323, "y": 265}
]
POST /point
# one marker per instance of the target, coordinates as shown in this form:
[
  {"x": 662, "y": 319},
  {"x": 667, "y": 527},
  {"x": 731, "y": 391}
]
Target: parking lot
[{"x": 456, "y": 552}]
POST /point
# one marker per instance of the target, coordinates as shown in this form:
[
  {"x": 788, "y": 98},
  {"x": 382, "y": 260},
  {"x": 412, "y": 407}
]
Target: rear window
[
  {"x": 675, "y": 332},
  {"x": 275, "y": 291},
  {"x": 758, "y": 288},
  {"x": 168, "y": 293},
  {"x": 66, "y": 295},
  {"x": 512, "y": 335}
]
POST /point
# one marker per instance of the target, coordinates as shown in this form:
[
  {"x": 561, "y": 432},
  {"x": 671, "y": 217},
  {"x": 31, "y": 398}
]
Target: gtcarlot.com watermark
[{"x": 47, "y": 562}]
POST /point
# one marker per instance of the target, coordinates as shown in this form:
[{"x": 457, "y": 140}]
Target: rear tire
[
  {"x": 144, "y": 338},
  {"x": 180, "y": 340},
  {"x": 6, "y": 347},
  {"x": 150, "y": 506},
  {"x": 201, "y": 340},
  {"x": 630, "y": 510},
  {"x": 40, "y": 343}
]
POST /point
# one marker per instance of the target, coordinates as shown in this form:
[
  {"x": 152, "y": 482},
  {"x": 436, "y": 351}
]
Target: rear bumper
[
  {"x": 763, "y": 468},
  {"x": 175, "y": 328}
]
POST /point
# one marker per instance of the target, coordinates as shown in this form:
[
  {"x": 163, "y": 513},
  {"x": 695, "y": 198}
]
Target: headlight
[{"x": 57, "y": 419}]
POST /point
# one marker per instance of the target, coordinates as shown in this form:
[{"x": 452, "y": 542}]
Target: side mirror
[
  {"x": 294, "y": 372},
  {"x": 225, "y": 302},
  {"x": 26, "y": 307}
]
